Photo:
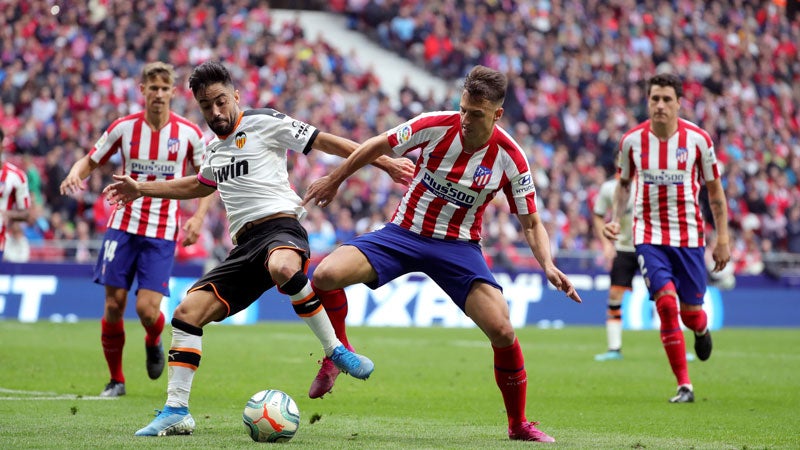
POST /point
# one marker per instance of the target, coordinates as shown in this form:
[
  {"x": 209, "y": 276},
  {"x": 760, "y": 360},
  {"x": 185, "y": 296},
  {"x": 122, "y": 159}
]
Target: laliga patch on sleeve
[
  {"x": 100, "y": 142},
  {"x": 710, "y": 157},
  {"x": 522, "y": 185},
  {"x": 403, "y": 134}
]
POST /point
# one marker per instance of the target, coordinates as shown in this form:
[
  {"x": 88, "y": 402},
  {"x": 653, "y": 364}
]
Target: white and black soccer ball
[{"x": 271, "y": 416}]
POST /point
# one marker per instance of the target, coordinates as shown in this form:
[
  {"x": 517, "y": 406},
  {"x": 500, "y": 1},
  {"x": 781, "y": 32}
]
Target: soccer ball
[{"x": 271, "y": 416}]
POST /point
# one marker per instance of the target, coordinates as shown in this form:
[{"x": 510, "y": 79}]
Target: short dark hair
[
  {"x": 487, "y": 84},
  {"x": 208, "y": 73},
  {"x": 666, "y": 80}
]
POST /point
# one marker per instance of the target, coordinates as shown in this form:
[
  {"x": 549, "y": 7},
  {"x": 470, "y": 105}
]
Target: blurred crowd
[{"x": 576, "y": 71}]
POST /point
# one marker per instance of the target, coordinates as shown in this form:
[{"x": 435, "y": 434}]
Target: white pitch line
[{"x": 41, "y": 395}]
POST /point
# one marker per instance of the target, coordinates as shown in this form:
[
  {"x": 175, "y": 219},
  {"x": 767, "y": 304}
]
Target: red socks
[
  {"x": 511, "y": 378},
  {"x": 672, "y": 335},
  {"x": 113, "y": 339},
  {"x": 696, "y": 321},
  {"x": 335, "y": 304},
  {"x": 153, "y": 332}
]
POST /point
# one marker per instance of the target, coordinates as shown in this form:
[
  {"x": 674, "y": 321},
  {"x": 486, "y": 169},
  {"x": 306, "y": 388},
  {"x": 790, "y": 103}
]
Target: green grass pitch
[{"x": 432, "y": 388}]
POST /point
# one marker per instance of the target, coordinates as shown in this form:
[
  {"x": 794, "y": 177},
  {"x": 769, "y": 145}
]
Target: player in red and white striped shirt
[
  {"x": 15, "y": 197},
  {"x": 670, "y": 158},
  {"x": 155, "y": 144},
  {"x": 465, "y": 160}
]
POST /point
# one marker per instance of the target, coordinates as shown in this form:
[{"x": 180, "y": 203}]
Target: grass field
[{"x": 432, "y": 388}]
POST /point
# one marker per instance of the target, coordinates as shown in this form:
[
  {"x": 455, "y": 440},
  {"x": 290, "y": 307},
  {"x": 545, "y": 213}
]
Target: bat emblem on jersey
[{"x": 240, "y": 139}]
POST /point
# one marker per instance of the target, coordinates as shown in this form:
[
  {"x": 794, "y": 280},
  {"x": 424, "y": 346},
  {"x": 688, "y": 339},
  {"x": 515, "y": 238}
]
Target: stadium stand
[{"x": 576, "y": 70}]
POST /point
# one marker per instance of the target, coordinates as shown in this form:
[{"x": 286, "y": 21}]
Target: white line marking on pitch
[{"x": 41, "y": 395}]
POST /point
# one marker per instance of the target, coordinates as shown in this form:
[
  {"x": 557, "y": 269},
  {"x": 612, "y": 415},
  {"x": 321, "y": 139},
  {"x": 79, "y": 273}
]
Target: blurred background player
[
  {"x": 155, "y": 144},
  {"x": 669, "y": 158},
  {"x": 621, "y": 256},
  {"x": 15, "y": 197}
]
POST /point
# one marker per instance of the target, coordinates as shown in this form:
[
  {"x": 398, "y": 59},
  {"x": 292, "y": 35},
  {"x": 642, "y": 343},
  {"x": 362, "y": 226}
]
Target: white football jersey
[
  {"x": 603, "y": 205},
  {"x": 248, "y": 166}
]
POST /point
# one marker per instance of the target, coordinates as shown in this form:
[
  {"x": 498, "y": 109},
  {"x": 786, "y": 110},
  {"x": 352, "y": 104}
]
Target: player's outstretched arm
[
  {"x": 539, "y": 242},
  {"x": 325, "y": 188},
  {"x": 73, "y": 183},
  {"x": 126, "y": 189},
  {"x": 400, "y": 169}
]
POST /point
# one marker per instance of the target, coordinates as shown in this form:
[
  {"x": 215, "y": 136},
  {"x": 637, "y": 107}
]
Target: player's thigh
[
  {"x": 488, "y": 308},
  {"x": 200, "y": 307},
  {"x": 116, "y": 300},
  {"x": 655, "y": 265},
  {"x": 154, "y": 266},
  {"x": 148, "y": 304},
  {"x": 343, "y": 267},
  {"x": 117, "y": 259},
  {"x": 691, "y": 279}
]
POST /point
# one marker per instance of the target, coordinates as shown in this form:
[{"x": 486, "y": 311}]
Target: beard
[{"x": 221, "y": 127}]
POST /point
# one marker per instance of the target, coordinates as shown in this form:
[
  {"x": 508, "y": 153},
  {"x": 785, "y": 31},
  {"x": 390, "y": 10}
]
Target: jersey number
[{"x": 109, "y": 249}]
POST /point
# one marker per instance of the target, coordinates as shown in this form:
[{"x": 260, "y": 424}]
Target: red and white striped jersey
[
  {"x": 14, "y": 194},
  {"x": 668, "y": 180},
  {"x": 149, "y": 155},
  {"x": 451, "y": 188}
]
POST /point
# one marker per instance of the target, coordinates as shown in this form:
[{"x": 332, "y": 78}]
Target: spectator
[{"x": 17, "y": 248}]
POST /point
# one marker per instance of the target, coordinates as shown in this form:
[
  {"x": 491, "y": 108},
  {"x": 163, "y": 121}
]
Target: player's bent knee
[{"x": 324, "y": 278}]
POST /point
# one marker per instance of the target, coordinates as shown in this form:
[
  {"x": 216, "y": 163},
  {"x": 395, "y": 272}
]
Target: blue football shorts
[
  {"x": 684, "y": 266},
  {"x": 124, "y": 256},
  {"x": 453, "y": 264}
]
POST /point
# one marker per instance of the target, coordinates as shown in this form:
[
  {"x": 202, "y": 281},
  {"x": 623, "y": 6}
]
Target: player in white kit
[{"x": 246, "y": 163}]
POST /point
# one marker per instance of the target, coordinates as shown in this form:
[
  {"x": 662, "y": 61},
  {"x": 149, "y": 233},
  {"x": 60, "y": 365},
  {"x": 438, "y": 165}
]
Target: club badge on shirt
[{"x": 240, "y": 139}]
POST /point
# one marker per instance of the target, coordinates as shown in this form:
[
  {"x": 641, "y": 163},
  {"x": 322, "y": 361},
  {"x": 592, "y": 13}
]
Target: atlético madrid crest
[
  {"x": 173, "y": 145},
  {"x": 482, "y": 176},
  {"x": 240, "y": 139}
]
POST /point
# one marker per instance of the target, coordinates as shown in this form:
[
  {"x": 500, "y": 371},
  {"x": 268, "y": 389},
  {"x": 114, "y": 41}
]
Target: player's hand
[
  {"x": 323, "y": 190},
  {"x": 191, "y": 231},
  {"x": 562, "y": 283},
  {"x": 401, "y": 170},
  {"x": 72, "y": 184},
  {"x": 721, "y": 255},
  {"x": 611, "y": 230},
  {"x": 124, "y": 191}
]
